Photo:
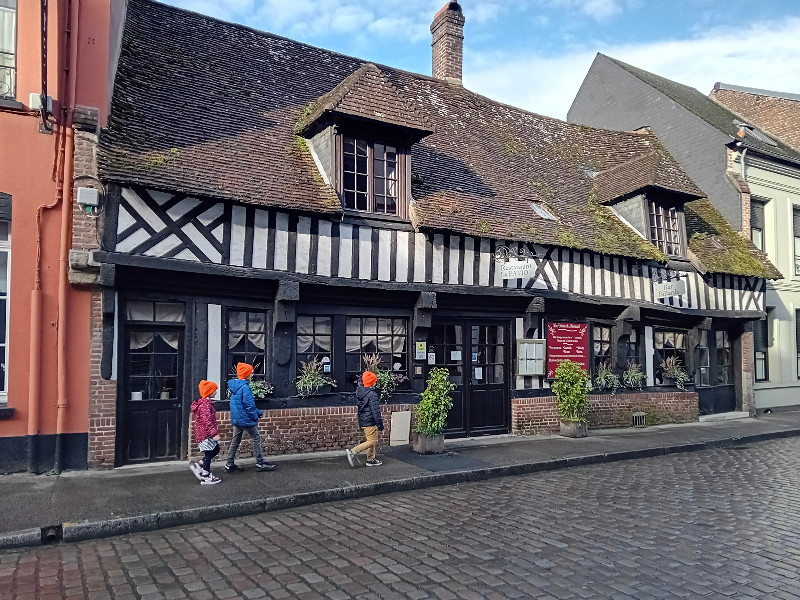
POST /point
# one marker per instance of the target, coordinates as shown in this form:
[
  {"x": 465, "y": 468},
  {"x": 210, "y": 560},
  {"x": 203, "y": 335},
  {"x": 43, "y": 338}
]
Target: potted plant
[
  {"x": 432, "y": 413},
  {"x": 311, "y": 380},
  {"x": 672, "y": 370},
  {"x": 260, "y": 387},
  {"x": 571, "y": 388},
  {"x": 605, "y": 379},
  {"x": 633, "y": 377},
  {"x": 388, "y": 381}
]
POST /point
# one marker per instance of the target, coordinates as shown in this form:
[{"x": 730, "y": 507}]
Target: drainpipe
[
  {"x": 66, "y": 221},
  {"x": 741, "y": 164}
]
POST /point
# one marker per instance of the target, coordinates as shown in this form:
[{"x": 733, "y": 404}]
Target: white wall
[{"x": 781, "y": 185}]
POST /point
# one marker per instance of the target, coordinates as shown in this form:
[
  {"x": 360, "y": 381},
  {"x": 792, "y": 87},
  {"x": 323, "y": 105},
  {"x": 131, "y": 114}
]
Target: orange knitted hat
[
  {"x": 369, "y": 378},
  {"x": 243, "y": 370},
  {"x": 207, "y": 388}
]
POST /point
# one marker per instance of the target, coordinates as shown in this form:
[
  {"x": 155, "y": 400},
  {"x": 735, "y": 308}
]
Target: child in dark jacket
[
  {"x": 205, "y": 432},
  {"x": 369, "y": 419}
]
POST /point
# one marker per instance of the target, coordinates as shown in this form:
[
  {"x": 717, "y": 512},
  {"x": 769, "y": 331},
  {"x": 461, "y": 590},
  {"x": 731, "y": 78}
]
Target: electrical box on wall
[{"x": 35, "y": 102}]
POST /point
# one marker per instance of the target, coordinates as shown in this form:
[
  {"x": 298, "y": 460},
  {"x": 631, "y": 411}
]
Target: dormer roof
[
  {"x": 366, "y": 95},
  {"x": 652, "y": 170}
]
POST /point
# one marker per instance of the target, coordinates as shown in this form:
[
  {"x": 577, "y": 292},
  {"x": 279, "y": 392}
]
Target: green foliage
[
  {"x": 671, "y": 367},
  {"x": 261, "y": 388},
  {"x": 605, "y": 379},
  {"x": 571, "y": 388},
  {"x": 436, "y": 403},
  {"x": 311, "y": 379},
  {"x": 634, "y": 377},
  {"x": 566, "y": 238},
  {"x": 385, "y": 384}
]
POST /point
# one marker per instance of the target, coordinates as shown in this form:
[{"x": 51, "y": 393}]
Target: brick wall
[
  {"x": 102, "y": 397},
  {"x": 539, "y": 415},
  {"x": 84, "y": 227},
  {"x": 298, "y": 430},
  {"x": 448, "y": 44}
]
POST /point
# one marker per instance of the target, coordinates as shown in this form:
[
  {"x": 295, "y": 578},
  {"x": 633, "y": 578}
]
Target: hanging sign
[
  {"x": 668, "y": 289},
  {"x": 567, "y": 341}
]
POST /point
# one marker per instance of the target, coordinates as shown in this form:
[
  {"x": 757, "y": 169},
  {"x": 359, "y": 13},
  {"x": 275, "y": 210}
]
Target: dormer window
[
  {"x": 370, "y": 177},
  {"x": 666, "y": 228}
]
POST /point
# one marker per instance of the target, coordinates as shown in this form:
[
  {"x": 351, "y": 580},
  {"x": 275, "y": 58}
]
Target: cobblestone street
[{"x": 713, "y": 524}]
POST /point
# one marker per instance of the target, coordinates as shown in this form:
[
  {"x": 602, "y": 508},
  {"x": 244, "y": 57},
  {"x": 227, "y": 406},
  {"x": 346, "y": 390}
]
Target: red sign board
[{"x": 567, "y": 341}]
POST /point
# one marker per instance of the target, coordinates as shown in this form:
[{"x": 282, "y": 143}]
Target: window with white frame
[
  {"x": 8, "y": 48},
  {"x": 760, "y": 348},
  {"x": 5, "y": 272},
  {"x": 665, "y": 228},
  {"x": 757, "y": 223},
  {"x": 796, "y": 227}
]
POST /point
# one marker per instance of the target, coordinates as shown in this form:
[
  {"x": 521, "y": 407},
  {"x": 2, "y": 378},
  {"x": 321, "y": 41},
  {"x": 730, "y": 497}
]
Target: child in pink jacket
[{"x": 205, "y": 432}]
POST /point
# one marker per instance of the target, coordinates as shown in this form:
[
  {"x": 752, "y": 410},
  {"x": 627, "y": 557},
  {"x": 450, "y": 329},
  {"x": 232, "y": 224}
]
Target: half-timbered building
[{"x": 274, "y": 202}]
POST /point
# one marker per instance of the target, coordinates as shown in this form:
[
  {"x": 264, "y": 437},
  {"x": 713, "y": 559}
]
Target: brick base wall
[
  {"x": 298, "y": 430},
  {"x": 102, "y": 397},
  {"x": 539, "y": 415}
]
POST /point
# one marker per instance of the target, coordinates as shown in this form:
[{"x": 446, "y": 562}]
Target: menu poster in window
[{"x": 567, "y": 341}]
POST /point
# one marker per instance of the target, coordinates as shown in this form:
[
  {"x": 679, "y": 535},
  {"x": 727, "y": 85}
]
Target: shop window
[
  {"x": 345, "y": 341},
  {"x": 314, "y": 339},
  {"x": 386, "y": 337},
  {"x": 372, "y": 177},
  {"x": 5, "y": 279},
  {"x": 703, "y": 361},
  {"x": 247, "y": 341},
  {"x": 632, "y": 348},
  {"x": 757, "y": 223},
  {"x": 724, "y": 358},
  {"x": 760, "y": 340},
  {"x": 8, "y": 49},
  {"x": 667, "y": 344},
  {"x": 601, "y": 346},
  {"x": 665, "y": 228}
]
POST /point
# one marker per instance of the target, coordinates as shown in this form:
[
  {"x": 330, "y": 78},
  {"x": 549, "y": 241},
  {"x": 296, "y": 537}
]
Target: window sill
[
  {"x": 13, "y": 104},
  {"x": 6, "y": 412},
  {"x": 372, "y": 220}
]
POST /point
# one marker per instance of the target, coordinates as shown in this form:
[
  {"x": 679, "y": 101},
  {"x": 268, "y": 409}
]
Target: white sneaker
[
  {"x": 352, "y": 458},
  {"x": 197, "y": 470},
  {"x": 211, "y": 479}
]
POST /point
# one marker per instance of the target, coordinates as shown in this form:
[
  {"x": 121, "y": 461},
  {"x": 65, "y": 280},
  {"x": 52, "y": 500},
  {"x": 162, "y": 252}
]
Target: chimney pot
[{"x": 447, "y": 30}]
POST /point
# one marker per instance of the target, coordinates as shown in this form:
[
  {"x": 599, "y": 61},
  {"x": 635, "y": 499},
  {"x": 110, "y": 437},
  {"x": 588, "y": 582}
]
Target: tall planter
[
  {"x": 571, "y": 388},
  {"x": 432, "y": 413}
]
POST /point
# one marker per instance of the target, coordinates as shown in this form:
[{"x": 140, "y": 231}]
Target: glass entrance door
[{"x": 476, "y": 355}]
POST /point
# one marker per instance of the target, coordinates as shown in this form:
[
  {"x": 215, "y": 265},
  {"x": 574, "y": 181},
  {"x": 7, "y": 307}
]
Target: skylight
[{"x": 543, "y": 212}]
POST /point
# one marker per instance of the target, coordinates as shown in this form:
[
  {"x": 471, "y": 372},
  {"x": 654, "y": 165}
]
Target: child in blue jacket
[{"x": 244, "y": 417}]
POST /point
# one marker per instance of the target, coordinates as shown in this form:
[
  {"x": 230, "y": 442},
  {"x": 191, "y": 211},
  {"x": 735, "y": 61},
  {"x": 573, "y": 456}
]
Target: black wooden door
[
  {"x": 714, "y": 381},
  {"x": 477, "y": 356},
  {"x": 152, "y": 382}
]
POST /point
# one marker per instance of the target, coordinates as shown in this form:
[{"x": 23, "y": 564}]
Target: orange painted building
[{"x": 45, "y": 319}]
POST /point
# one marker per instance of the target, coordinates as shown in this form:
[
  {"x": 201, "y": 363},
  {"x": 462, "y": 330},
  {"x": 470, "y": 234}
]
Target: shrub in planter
[
  {"x": 605, "y": 379},
  {"x": 311, "y": 378},
  {"x": 432, "y": 412},
  {"x": 672, "y": 369},
  {"x": 634, "y": 377},
  {"x": 571, "y": 388}
]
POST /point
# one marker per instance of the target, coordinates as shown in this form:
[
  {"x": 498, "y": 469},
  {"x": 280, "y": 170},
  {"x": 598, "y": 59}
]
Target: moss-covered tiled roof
[{"x": 719, "y": 247}]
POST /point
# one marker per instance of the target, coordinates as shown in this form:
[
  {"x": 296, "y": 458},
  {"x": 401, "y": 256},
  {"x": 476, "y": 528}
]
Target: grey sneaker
[
  {"x": 351, "y": 457},
  {"x": 231, "y": 468},
  {"x": 197, "y": 470},
  {"x": 265, "y": 466},
  {"x": 374, "y": 463}
]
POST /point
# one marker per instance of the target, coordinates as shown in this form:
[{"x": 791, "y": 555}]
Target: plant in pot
[
  {"x": 311, "y": 379},
  {"x": 605, "y": 379},
  {"x": 672, "y": 370},
  {"x": 633, "y": 377},
  {"x": 432, "y": 413},
  {"x": 388, "y": 380},
  {"x": 571, "y": 388},
  {"x": 260, "y": 387}
]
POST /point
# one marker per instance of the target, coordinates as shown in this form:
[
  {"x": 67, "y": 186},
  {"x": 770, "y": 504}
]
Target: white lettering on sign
[
  {"x": 517, "y": 269},
  {"x": 669, "y": 288}
]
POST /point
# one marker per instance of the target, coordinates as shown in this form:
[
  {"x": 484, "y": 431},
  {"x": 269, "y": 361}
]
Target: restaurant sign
[{"x": 567, "y": 341}]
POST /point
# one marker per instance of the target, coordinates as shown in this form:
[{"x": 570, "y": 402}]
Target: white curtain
[
  {"x": 388, "y": 334},
  {"x": 307, "y": 337},
  {"x": 7, "y": 46},
  {"x": 163, "y": 312}
]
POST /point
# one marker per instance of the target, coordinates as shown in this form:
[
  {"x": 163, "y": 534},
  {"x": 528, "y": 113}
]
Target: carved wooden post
[{"x": 283, "y": 339}]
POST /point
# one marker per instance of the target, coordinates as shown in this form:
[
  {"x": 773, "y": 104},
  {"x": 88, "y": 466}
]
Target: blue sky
[{"x": 535, "y": 53}]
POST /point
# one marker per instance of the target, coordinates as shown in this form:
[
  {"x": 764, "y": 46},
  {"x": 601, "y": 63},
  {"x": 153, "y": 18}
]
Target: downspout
[
  {"x": 66, "y": 220},
  {"x": 741, "y": 164}
]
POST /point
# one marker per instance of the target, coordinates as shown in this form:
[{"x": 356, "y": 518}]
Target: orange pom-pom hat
[
  {"x": 369, "y": 378},
  {"x": 207, "y": 388},
  {"x": 243, "y": 370}
]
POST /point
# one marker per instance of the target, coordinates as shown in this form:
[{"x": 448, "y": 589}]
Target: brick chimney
[{"x": 448, "y": 42}]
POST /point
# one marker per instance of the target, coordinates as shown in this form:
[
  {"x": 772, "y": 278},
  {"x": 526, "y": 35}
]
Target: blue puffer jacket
[
  {"x": 243, "y": 405},
  {"x": 369, "y": 407}
]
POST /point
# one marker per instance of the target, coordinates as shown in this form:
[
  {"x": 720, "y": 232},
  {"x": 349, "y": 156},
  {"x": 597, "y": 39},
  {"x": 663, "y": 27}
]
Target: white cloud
[
  {"x": 759, "y": 55},
  {"x": 596, "y": 9}
]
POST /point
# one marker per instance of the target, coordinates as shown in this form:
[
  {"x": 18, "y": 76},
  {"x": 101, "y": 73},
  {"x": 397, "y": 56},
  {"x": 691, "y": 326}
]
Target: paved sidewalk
[{"x": 91, "y": 504}]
